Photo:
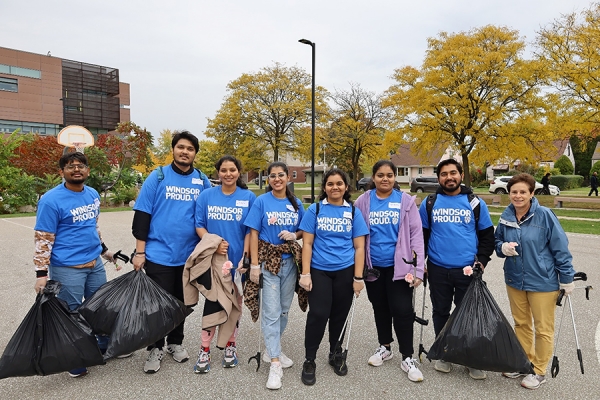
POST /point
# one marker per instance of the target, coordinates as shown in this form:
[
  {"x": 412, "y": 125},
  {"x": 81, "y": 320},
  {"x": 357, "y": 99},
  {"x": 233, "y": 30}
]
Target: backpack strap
[{"x": 429, "y": 202}]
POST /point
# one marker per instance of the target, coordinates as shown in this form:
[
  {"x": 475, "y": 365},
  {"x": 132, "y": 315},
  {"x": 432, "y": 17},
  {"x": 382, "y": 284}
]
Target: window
[
  {"x": 402, "y": 171},
  {"x": 26, "y": 72},
  {"x": 420, "y": 171},
  {"x": 294, "y": 174},
  {"x": 9, "y": 85}
]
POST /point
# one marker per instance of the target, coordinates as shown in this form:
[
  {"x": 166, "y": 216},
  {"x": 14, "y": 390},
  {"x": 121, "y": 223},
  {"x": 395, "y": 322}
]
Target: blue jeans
[
  {"x": 278, "y": 293},
  {"x": 80, "y": 283}
]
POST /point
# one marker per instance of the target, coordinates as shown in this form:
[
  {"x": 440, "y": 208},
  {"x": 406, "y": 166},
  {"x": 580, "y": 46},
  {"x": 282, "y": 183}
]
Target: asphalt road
[{"x": 124, "y": 378}]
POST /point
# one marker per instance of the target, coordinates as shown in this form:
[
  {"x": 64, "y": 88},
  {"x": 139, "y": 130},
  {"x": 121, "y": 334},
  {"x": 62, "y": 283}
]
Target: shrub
[
  {"x": 595, "y": 168},
  {"x": 565, "y": 165},
  {"x": 567, "y": 181}
]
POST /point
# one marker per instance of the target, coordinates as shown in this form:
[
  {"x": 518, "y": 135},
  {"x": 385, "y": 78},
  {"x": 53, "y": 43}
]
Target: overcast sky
[{"x": 179, "y": 56}]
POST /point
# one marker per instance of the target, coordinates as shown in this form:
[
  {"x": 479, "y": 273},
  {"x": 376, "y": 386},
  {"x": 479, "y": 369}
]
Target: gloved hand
[
  {"x": 240, "y": 267},
  {"x": 109, "y": 256},
  {"x": 306, "y": 282},
  {"x": 567, "y": 287},
  {"x": 40, "y": 284},
  {"x": 508, "y": 249},
  {"x": 416, "y": 282},
  {"x": 287, "y": 235},
  {"x": 255, "y": 273}
]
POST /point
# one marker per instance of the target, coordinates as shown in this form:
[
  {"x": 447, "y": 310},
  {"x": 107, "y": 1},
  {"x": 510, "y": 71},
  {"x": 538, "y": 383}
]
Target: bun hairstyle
[
  {"x": 288, "y": 193},
  {"x": 240, "y": 182}
]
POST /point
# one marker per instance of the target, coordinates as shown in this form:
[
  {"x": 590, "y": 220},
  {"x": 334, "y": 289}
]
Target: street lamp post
[{"x": 312, "y": 144}]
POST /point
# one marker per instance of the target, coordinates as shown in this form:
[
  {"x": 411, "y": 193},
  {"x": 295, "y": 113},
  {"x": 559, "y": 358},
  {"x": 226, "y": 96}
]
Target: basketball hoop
[
  {"x": 75, "y": 138},
  {"x": 79, "y": 147}
]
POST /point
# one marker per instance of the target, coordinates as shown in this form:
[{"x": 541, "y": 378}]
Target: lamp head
[{"x": 306, "y": 41}]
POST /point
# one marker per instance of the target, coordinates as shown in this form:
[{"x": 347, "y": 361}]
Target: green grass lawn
[{"x": 573, "y": 226}]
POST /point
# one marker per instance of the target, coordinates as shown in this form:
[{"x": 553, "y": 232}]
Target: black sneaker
[
  {"x": 338, "y": 361},
  {"x": 308, "y": 372}
]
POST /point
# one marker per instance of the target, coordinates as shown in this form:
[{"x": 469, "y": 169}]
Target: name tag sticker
[
  {"x": 290, "y": 207},
  {"x": 347, "y": 214},
  {"x": 197, "y": 181},
  {"x": 394, "y": 205},
  {"x": 241, "y": 203}
]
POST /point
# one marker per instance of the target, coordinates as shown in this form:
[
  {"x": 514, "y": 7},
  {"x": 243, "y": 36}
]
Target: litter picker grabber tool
[
  {"x": 421, "y": 348},
  {"x": 413, "y": 262},
  {"x": 350, "y": 318},
  {"x": 579, "y": 356},
  {"x": 555, "y": 368},
  {"x": 260, "y": 306},
  {"x": 119, "y": 256}
]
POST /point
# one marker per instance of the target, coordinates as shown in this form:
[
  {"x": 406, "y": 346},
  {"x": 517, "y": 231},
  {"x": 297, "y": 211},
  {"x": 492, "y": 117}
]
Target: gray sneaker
[
  {"x": 477, "y": 374},
  {"x": 178, "y": 352},
  {"x": 442, "y": 366},
  {"x": 152, "y": 364},
  {"x": 533, "y": 381}
]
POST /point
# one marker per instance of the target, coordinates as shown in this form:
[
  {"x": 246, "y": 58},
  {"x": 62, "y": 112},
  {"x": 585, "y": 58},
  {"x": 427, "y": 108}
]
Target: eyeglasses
[
  {"x": 279, "y": 175},
  {"x": 451, "y": 173},
  {"x": 73, "y": 167}
]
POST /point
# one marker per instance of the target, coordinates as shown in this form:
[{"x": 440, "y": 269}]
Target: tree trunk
[{"x": 466, "y": 171}]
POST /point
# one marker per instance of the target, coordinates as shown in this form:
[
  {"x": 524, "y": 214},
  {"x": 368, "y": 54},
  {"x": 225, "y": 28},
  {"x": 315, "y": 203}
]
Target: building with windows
[{"x": 42, "y": 94}]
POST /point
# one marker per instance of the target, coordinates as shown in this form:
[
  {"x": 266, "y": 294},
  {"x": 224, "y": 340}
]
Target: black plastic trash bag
[
  {"x": 134, "y": 311},
  {"x": 51, "y": 339},
  {"x": 478, "y": 335}
]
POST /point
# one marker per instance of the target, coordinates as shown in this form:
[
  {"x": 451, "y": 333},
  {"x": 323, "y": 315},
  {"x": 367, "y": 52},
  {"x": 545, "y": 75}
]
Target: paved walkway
[{"x": 125, "y": 379}]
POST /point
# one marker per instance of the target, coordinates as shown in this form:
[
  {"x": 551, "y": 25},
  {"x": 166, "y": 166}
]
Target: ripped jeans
[{"x": 278, "y": 293}]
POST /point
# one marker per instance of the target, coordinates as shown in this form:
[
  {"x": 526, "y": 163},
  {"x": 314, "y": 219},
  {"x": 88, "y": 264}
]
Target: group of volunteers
[{"x": 182, "y": 225}]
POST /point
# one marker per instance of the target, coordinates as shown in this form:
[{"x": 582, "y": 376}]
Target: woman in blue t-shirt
[
  {"x": 222, "y": 210},
  {"x": 332, "y": 268},
  {"x": 273, "y": 222},
  {"x": 395, "y": 231}
]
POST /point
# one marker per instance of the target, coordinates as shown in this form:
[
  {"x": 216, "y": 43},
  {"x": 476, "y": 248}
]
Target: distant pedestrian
[
  {"x": 594, "y": 183},
  {"x": 395, "y": 231},
  {"x": 546, "y": 184}
]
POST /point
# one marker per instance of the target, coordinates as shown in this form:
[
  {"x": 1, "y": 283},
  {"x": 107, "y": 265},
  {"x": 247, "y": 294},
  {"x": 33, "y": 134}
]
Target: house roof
[
  {"x": 404, "y": 157},
  {"x": 596, "y": 155},
  {"x": 560, "y": 146}
]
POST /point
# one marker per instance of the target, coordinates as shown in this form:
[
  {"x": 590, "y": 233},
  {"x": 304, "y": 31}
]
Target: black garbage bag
[
  {"x": 134, "y": 311},
  {"x": 478, "y": 335},
  {"x": 51, "y": 339}
]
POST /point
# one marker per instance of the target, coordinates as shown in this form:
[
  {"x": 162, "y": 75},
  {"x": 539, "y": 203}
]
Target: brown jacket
[{"x": 220, "y": 289}]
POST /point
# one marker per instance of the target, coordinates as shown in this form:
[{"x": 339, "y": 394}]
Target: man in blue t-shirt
[
  {"x": 454, "y": 238},
  {"x": 163, "y": 226},
  {"x": 68, "y": 244}
]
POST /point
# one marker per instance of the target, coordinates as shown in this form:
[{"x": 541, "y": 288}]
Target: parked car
[
  {"x": 214, "y": 182},
  {"x": 424, "y": 184},
  {"x": 264, "y": 179},
  {"x": 498, "y": 186},
  {"x": 363, "y": 184}
]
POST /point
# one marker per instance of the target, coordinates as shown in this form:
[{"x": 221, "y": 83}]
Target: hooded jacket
[
  {"x": 410, "y": 235},
  {"x": 203, "y": 273},
  {"x": 544, "y": 259}
]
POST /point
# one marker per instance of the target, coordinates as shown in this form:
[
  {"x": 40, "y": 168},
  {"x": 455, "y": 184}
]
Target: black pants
[
  {"x": 170, "y": 279},
  {"x": 392, "y": 302},
  {"x": 445, "y": 284},
  {"x": 592, "y": 190},
  {"x": 329, "y": 300}
]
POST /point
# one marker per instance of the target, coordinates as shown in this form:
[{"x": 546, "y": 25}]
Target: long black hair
[
  {"x": 288, "y": 193},
  {"x": 240, "y": 182},
  {"x": 377, "y": 166},
  {"x": 335, "y": 171}
]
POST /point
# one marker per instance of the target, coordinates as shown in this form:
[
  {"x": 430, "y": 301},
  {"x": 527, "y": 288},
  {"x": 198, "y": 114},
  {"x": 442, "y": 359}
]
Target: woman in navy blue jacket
[{"x": 538, "y": 263}]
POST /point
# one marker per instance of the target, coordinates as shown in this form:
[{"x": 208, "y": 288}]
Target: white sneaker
[
  {"x": 152, "y": 364},
  {"x": 178, "y": 352},
  {"x": 381, "y": 354},
  {"x": 409, "y": 365},
  {"x": 285, "y": 361},
  {"x": 275, "y": 375},
  {"x": 513, "y": 375},
  {"x": 533, "y": 381}
]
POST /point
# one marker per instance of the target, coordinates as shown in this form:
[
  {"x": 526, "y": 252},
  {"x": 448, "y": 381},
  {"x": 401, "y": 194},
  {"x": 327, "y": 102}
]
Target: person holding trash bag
[
  {"x": 333, "y": 257},
  {"x": 458, "y": 231},
  {"x": 273, "y": 221},
  {"x": 222, "y": 210},
  {"x": 68, "y": 244},
  {"x": 537, "y": 264},
  {"x": 395, "y": 230},
  {"x": 163, "y": 226}
]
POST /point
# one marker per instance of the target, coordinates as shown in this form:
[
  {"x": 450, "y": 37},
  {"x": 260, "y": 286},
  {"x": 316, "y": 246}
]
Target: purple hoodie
[{"x": 410, "y": 235}]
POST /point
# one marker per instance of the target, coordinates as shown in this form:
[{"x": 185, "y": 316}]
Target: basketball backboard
[{"x": 75, "y": 136}]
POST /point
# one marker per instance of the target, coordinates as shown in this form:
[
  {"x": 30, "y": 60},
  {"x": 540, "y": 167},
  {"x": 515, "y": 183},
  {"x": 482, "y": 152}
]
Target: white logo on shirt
[{"x": 224, "y": 213}]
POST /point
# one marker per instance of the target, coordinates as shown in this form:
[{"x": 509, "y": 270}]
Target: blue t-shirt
[
  {"x": 270, "y": 215},
  {"x": 453, "y": 238},
  {"x": 224, "y": 215},
  {"x": 171, "y": 204},
  {"x": 334, "y": 229},
  {"x": 384, "y": 224},
  {"x": 71, "y": 217}
]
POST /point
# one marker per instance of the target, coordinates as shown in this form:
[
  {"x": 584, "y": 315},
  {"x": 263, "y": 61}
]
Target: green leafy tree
[
  {"x": 17, "y": 188},
  {"x": 565, "y": 165},
  {"x": 475, "y": 93},
  {"x": 595, "y": 168}
]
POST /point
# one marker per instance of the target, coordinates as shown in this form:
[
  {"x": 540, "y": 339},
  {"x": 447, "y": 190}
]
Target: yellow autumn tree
[
  {"x": 569, "y": 46},
  {"x": 267, "y": 107},
  {"x": 474, "y": 93}
]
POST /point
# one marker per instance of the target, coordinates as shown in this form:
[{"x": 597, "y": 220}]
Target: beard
[{"x": 450, "y": 186}]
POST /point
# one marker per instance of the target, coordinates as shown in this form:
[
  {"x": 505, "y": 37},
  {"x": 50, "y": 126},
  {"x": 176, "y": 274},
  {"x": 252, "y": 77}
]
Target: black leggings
[
  {"x": 329, "y": 300},
  {"x": 392, "y": 302},
  {"x": 170, "y": 279}
]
